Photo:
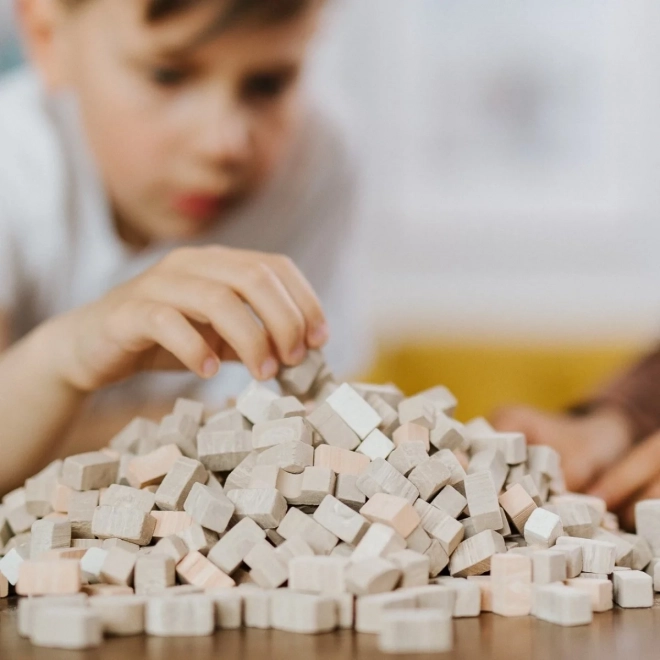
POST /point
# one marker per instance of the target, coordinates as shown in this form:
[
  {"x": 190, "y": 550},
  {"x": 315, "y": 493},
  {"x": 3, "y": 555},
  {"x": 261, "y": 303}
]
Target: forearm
[{"x": 36, "y": 407}]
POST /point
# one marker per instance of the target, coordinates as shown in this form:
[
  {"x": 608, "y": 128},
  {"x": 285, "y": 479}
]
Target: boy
[
  {"x": 159, "y": 124},
  {"x": 610, "y": 445}
]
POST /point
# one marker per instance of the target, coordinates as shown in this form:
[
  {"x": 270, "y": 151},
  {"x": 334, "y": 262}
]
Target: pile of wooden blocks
[{"x": 331, "y": 506}]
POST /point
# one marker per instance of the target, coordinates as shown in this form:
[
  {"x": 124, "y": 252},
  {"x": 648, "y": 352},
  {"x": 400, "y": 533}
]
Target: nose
[{"x": 223, "y": 134}]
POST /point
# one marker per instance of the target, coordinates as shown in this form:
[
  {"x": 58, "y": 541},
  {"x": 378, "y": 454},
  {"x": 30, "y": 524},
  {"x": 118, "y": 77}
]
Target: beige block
[
  {"x": 254, "y": 402},
  {"x": 268, "y": 570},
  {"x": 450, "y": 501},
  {"x": 632, "y": 589},
  {"x": 171, "y": 546},
  {"x": 129, "y": 438},
  {"x": 341, "y": 520},
  {"x": 197, "y": 570},
  {"x": 561, "y": 605},
  {"x": 482, "y": 500},
  {"x": 108, "y": 544},
  {"x": 118, "y": 567},
  {"x": 294, "y": 547},
  {"x": 600, "y": 592},
  {"x": 440, "y": 526},
  {"x": 198, "y": 538},
  {"x": 416, "y": 631},
  {"x": 179, "y": 430},
  {"x": 272, "y": 433},
  {"x": 447, "y": 433},
  {"x": 486, "y": 588},
  {"x": 318, "y": 575},
  {"x": 128, "y": 524},
  {"x": 543, "y": 528},
  {"x": 106, "y": 590},
  {"x": 296, "y": 523},
  {"x": 341, "y": 461},
  {"x": 388, "y": 414},
  {"x": 298, "y": 380},
  {"x": 381, "y": 477},
  {"x": 227, "y": 420},
  {"x": 221, "y": 451},
  {"x": 60, "y": 498},
  {"x": 194, "y": 409},
  {"x": 82, "y": 506},
  {"x": 419, "y": 410},
  {"x": 66, "y": 628},
  {"x": 407, "y": 456},
  {"x": 414, "y": 567},
  {"x": 549, "y": 566},
  {"x": 42, "y": 578},
  {"x": 266, "y": 506},
  {"x": 472, "y": 556},
  {"x": 347, "y": 492},
  {"x": 210, "y": 509},
  {"x": 332, "y": 428},
  {"x": 49, "y": 534},
  {"x": 178, "y": 482},
  {"x": 397, "y": 512},
  {"x": 379, "y": 542},
  {"x": 152, "y": 467},
  {"x": 438, "y": 558},
  {"x": 230, "y": 550},
  {"x": 372, "y": 576},
  {"x": 256, "y": 604},
  {"x": 411, "y": 432},
  {"x": 370, "y": 610},
  {"x": 286, "y": 407},
  {"x": 89, "y": 471},
  {"x": 429, "y": 477},
  {"x": 376, "y": 445},
  {"x": 133, "y": 498},
  {"x": 518, "y": 505},
  {"x": 228, "y": 608},
  {"x": 154, "y": 572},
  {"x": 467, "y": 596},
  {"x": 354, "y": 410},
  {"x": 292, "y": 456},
  {"x": 511, "y": 581},
  {"x": 120, "y": 616},
  {"x": 185, "y": 616}
]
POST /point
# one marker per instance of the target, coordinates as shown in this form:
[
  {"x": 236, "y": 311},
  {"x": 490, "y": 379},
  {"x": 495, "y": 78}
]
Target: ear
[{"x": 41, "y": 23}]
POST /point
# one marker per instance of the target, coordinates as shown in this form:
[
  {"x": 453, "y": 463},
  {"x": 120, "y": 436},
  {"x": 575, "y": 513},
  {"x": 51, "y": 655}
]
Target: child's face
[{"x": 181, "y": 132}]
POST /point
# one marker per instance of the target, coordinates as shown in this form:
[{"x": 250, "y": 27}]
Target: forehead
[{"x": 188, "y": 31}]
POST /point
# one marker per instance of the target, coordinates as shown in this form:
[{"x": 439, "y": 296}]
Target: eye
[
  {"x": 267, "y": 85},
  {"x": 166, "y": 76}
]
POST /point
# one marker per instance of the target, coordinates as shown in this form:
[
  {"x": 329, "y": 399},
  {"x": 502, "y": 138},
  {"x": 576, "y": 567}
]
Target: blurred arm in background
[{"x": 610, "y": 444}]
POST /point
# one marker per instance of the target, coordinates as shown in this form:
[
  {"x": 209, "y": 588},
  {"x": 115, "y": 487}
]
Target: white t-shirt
[{"x": 59, "y": 249}]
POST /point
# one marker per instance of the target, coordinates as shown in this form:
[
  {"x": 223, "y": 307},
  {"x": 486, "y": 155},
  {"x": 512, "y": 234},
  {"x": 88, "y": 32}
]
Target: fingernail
[
  {"x": 298, "y": 353},
  {"x": 210, "y": 367},
  {"x": 269, "y": 368},
  {"x": 320, "y": 334}
]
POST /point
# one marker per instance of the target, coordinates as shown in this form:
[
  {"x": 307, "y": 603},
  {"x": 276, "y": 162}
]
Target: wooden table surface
[{"x": 619, "y": 634}]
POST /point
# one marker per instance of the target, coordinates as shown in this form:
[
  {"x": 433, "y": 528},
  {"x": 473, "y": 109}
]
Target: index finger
[{"x": 635, "y": 471}]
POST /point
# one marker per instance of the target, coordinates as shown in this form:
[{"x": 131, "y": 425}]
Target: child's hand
[
  {"x": 189, "y": 311},
  {"x": 587, "y": 445},
  {"x": 635, "y": 477}
]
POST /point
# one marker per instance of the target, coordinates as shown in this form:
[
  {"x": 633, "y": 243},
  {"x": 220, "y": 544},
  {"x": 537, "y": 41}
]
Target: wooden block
[
  {"x": 576, "y": 519},
  {"x": 411, "y": 432},
  {"x": 511, "y": 579},
  {"x": 631, "y": 589},
  {"x": 89, "y": 471},
  {"x": 179, "y": 430},
  {"x": 655, "y": 574},
  {"x": 152, "y": 467},
  {"x": 419, "y": 410},
  {"x": 298, "y": 380},
  {"x": 91, "y": 564},
  {"x": 597, "y": 556},
  {"x": 11, "y": 562},
  {"x": 332, "y": 428},
  {"x": 106, "y": 590},
  {"x": 432, "y": 596},
  {"x": 39, "y": 490},
  {"x": 491, "y": 461},
  {"x": 296, "y": 523},
  {"x": 342, "y": 550},
  {"x": 440, "y": 526},
  {"x": 561, "y": 605},
  {"x": 41, "y": 578},
  {"x": 447, "y": 433},
  {"x": 208, "y": 508},
  {"x": 66, "y": 628},
  {"x": 472, "y": 557},
  {"x": 228, "y": 605},
  {"x": 153, "y": 573},
  {"x": 624, "y": 549},
  {"x": 256, "y": 606},
  {"x": 108, "y": 544},
  {"x": 341, "y": 520},
  {"x": 381, "y": 477},
  {"x": 62, "y": 553},
  {"x": 292, "y": 456},
  {"x": 28, "y": 606},
  {"x": 429, "y": 477},
  {"x": 221, "y": 451},
  {"x": 407, "y": 456},
  {"x": 294, "y": 547},
  {"x": 441, "y": 398},
  {"x": 647, "y": 523},
  {"x": 542, "y": 528},
  {"x": 573, "y": 557},
  {"x": 378, "y": 542},
  {"x": 369, "y": 610},
  {"x": 290, "y": 485},
  {"x": 414, "y": 567},
  {"x": 230, "y": 550},
  {"x": 416, "y": 631},
  {"x": 467, "y": 596},
  {"x": 118, "y": 567},
  {"x": 389, "y": 392},
  {"x": 376, "y": 445},
  {"x": 197, "y": 570},
  {"x": 178, "y": 482},
  {"x": 133, "y": 498},
  {"x": 185, "y": 616},
  {"x": 194, "y": 409},
  {"x": 512, "y": 446},
  {"x": 49, "y": 534},
  {"x": 318, "y": 575},
  {"x": 518, "y": 505},
  {"x": 239, "y": 477},
  {"x": 317, "y": 482},
  {"x": 600, "y": 592},
  {"x": 254, "y": 402},
  {"x": 388, "y": 414},
  {"x": 345, "y": 606},
  {"x": 450, "y": 501},
  {"x": 281, "y": 431},
  {"x": 341, "y": 461},
  {"x": 82, "y": 506},
  {"x": 268, "y": 570},
  {"x": 128, "y": 524},
  {"x": 171, "y": 546},
  {"x": 372, "y": 576},
  {"x": 286, "y": 407},
  {"x": 129, "y": 438},
  {"x": 198, "y": 538},
  {"x": 549, "y": 566},
  {"x": 266, "y": 506},
  {"x": 18, "y": 518},
  {"x": 438, "y": 558},
  {"x": 641, "y": 551},
  {"x": 485, "y": 585},
  {"x": 354, "y": 410},
  {"x": 120, "y": 616},
  {"x": 397, "y": 512},
  {"x": 347, "y": 492},
  {"x": 450, "y": 461},
  {"x": 4, "y": 586}
]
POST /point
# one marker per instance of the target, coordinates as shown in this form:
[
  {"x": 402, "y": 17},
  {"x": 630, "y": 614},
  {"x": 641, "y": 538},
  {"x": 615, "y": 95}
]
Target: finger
[
  {"x": 215, "y": 304},
  {"x": 259, "y": 286},
  {"x": 634, "y": 472},
  {"x": 535, "y": 425},
  {"x": 140, "y": 325},
  {"x": 303, "y": 295}
]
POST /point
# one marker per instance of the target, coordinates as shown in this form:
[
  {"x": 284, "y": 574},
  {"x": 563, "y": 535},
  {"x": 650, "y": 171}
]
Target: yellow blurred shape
[{"x": 486, "y": 376}]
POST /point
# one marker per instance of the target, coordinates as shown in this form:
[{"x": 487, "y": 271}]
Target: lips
[{"x": 199, "y": 207}]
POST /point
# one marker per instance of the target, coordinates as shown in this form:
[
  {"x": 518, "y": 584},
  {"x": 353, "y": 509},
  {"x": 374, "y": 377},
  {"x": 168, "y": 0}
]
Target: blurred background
[{"x": 512, "y": 168}]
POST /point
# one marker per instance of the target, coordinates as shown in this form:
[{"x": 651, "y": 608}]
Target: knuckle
[
  {"x": 285, "y": 262},
  {"x": 160, "y": 316},
  {"x": 259, "y": 274},
  {"x": 218, "y": 296}
]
